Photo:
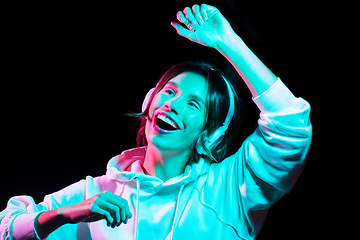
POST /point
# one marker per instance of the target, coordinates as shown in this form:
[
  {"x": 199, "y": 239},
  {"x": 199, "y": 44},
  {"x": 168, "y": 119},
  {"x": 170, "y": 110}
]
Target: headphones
[{"x": 216, "y": 137}]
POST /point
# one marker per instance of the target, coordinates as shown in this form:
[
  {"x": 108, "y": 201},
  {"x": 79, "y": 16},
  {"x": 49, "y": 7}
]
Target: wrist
[{"x": 228, "y": 42}]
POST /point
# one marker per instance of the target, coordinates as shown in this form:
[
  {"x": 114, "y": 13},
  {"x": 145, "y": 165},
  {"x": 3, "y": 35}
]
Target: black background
[{"x": 72, "y": 71}]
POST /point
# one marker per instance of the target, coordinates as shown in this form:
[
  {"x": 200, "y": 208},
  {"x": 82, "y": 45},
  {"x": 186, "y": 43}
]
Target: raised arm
[
  {"x": 269, "y": 161},
  {"x": 207, "y": 26}
]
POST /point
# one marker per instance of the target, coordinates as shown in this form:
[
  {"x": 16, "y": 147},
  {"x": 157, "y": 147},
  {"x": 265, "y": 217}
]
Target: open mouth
[{"x": 165, "y": 123}]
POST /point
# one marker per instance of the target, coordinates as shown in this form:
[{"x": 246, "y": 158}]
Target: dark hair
[{"x": 217, "y": 100}]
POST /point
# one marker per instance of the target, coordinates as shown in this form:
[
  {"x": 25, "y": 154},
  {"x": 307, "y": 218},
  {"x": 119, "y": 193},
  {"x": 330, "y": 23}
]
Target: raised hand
[{"x": 204, "y": 25}]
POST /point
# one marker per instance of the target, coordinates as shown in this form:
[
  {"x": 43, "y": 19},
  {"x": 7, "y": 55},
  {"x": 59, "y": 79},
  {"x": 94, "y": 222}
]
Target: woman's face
[{"x": 177, "y": 113}]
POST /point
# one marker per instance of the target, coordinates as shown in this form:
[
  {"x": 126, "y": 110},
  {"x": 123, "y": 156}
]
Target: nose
[{"x": 172, "y": 105}]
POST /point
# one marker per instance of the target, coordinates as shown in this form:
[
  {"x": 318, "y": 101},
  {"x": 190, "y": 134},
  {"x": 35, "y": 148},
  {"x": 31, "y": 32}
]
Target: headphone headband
[{"x": 231, "y": 107}]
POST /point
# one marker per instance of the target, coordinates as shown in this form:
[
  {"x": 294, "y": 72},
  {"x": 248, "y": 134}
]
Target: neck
[{"x": 165, "y": 164}]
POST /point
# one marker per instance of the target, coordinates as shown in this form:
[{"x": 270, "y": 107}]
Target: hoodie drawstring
[
  {"x": 137, "y": 208},
  {"x": 177, "y": 215},
  {"x": 176, "y": 210}
]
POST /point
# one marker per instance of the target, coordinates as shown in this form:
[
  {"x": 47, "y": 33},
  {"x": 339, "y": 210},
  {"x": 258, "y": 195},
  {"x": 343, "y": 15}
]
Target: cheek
[
  {"x": 147, "y": 130},
  {"x": 195, "y": 123},
  {"x": 154, "y": 105}
]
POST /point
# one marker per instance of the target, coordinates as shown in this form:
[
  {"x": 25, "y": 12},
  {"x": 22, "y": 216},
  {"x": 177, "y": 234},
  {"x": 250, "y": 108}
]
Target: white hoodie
[{"x": 227, "y": 200}]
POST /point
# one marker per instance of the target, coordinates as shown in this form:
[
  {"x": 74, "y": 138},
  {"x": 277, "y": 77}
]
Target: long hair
[{"x": 217, "y": 106}]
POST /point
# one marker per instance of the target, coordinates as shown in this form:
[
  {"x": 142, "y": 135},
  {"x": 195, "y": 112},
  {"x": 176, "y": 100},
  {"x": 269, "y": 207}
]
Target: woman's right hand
[{"x": 104, "y": 205}]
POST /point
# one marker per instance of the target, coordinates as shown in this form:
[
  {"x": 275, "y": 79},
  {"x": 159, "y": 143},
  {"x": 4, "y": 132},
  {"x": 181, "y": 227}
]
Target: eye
[
  {"x": 170, "y": 92},
  {"x": 194, "y": 104}
]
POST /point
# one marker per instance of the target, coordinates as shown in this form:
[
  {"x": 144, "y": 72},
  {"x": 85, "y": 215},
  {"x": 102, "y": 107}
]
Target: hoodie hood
[{"x": 129, "y": 166}]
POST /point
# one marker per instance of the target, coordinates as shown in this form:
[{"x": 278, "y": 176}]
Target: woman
[{"x": 184, "y": 184}]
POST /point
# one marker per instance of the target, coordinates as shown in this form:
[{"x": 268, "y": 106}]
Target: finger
[
  {"x": 128, "y": 213},
  {"x": 113, "y": 210},
  {"x": 183, "y": 31},
  {"x": 210, "y": 10},
  {"x": 197, "y": 14},
  {"x": 203, "y": 12},
  {"x": 181, "y": 17},
  {"x": 207, "y": 7},
  {"x": 122, "y": 203},
  {"x": 124, "y": 210},
  {"x": 104, "y": 213},
  {"x": 122, "y": 207},
  {"x": 189, "y": 16},
  {"x": 123, "y": 215},
  {"x": 109, "y": 202}
]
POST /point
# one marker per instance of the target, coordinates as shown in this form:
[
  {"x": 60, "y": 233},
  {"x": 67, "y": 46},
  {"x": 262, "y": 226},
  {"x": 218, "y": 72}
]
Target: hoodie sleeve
[
  {"x": 276, "y": 150},
  {"x": 17, "y": 219},
  {"x": 268, "y": 162}
]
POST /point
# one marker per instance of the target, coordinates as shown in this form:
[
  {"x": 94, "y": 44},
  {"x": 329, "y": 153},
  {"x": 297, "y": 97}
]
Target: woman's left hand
[{"x": 204, "y": 25}]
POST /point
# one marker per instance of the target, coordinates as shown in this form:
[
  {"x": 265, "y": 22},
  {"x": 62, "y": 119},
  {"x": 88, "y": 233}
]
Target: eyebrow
[{"x": 192, "y": 96}]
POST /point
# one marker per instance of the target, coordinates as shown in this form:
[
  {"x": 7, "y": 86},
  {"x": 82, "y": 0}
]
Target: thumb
[{"x": 183, "y": 31}]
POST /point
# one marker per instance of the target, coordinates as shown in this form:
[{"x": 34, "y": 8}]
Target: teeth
[{"x": 167, "y": 120}]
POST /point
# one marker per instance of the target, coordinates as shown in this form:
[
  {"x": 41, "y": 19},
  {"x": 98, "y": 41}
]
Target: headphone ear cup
[
  {"x": 199, "y": 147},
  {"x": 147, "y": 99},
  {"x": 211, "y": 142},
  {"x": 215, "y": 138}
]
